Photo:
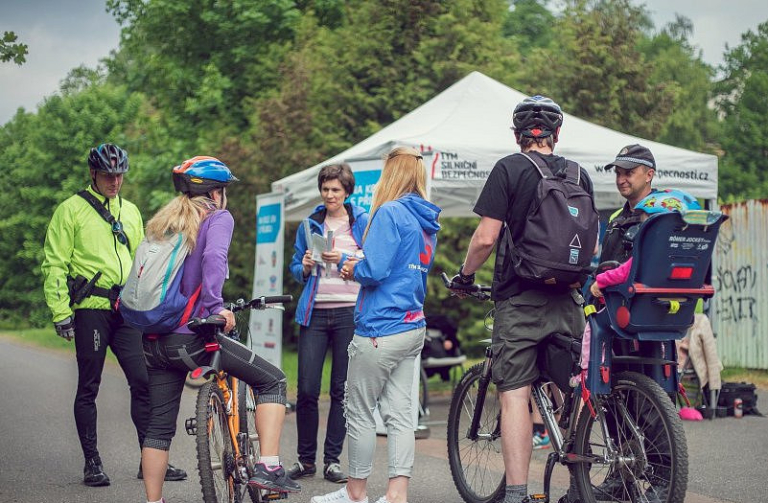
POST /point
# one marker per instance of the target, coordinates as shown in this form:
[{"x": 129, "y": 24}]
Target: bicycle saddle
[{"x": 207, "y": 327}]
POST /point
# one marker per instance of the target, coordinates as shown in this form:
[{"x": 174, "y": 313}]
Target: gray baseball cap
[{"x": 633, "y": 156}]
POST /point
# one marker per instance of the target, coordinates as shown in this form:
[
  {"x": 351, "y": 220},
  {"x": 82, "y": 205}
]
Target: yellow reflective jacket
[{"x": 80, "y": 242}]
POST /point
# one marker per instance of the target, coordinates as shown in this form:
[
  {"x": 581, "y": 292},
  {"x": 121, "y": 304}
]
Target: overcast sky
[{"x": 63, "y": 34}]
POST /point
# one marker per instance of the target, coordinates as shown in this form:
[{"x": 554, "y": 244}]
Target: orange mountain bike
[{"x": 224, "y": 422}]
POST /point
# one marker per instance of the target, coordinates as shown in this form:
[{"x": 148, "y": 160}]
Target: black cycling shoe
[
  {"x": 274, "y": 479},
  {"x": 612, "y": 488},
  {"x": 299, "y": 470},
  {"x": 93, "y": 473},
  {"x": 172, "y": 474},
  {"x": 333, "y": 473}
]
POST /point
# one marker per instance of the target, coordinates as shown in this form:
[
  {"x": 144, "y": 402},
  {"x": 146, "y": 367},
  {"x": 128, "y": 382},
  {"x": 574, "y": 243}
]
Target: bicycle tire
[
  {"x": 477, "y": 466},
  {"x": 215, "y": 454},
  {"x": 656, "y": 472},
  {"x": 246, "y": 403}
]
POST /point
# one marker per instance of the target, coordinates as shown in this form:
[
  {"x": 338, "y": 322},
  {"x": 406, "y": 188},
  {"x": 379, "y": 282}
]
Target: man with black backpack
[
  {"x": 89, "y": 248},
  {"x": 539, "y": 207}
]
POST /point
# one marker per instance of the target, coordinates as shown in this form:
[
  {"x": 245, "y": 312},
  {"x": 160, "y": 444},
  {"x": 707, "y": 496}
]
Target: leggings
[{"x": 171, "y": 356}]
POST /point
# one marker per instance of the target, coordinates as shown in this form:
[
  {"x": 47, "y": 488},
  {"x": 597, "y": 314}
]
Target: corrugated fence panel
[{"x": 741, "y": 282}]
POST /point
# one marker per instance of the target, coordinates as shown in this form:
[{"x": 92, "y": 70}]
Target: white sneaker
[
  {"x": 383, "y": 499},
  {"x": 339, "y": 496}
]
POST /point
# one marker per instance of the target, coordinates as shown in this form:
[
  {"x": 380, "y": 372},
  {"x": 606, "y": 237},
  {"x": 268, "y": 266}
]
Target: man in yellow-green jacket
[{"x": 89, "y": 248}]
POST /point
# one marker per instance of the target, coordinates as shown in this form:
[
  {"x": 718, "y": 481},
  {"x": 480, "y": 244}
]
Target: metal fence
[{"x": 740, "y": 278}]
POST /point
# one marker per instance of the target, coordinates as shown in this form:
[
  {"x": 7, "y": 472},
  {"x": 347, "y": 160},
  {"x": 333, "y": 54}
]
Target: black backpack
[{"x": 560, "y": 231}]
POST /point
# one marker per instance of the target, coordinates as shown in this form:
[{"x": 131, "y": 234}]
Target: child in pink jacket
[{"x": 656, "y": 202}]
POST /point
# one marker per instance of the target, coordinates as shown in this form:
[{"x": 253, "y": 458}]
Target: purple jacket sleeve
[
  {"x": 214, "y": 266},
  {"x": 614, "y": 276}
]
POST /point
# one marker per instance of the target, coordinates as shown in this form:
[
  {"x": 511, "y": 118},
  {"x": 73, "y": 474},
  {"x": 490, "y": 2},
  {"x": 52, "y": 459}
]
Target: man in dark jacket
[{"x": 634, "y": 167}]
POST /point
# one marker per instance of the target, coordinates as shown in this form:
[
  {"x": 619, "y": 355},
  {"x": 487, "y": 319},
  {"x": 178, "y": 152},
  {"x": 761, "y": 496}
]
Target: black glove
[
  {"x": 462, "y": 279},
  {"x": 65, "y": 328}
]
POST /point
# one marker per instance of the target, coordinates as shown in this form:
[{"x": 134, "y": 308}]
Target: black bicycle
[{"x": 628, "y": 445}]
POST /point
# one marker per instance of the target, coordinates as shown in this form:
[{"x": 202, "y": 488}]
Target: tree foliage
[
  {"x": 10, "y": 50},
  {"x": 742, "y": 101},
  {"x": 274, "y": 86},
  {"x": 44, "y": 161}
]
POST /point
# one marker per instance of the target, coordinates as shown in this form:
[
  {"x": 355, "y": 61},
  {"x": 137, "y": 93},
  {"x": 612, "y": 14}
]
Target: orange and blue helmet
[
  {"x": 665, "y": 201},
  {"x": 200, "y": 175}
]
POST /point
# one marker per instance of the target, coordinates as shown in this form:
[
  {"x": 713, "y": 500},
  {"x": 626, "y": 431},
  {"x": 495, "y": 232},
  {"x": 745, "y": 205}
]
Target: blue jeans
[{"x": 328, "y": 327}]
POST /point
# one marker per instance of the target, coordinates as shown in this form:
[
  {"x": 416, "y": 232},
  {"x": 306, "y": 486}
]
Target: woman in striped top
[{"x": 325, "y": 313}]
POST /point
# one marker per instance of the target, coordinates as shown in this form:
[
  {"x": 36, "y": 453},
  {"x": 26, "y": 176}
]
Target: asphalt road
[{"x": 41, "y": 461}]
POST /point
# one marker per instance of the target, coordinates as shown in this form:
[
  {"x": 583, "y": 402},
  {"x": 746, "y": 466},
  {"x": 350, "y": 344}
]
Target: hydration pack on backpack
[
  {"x": 151, "y": 299},
  {"x": 560, "y": 230}
]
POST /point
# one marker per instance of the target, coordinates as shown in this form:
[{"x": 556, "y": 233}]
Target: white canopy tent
[{"x": 465, "y": 129}]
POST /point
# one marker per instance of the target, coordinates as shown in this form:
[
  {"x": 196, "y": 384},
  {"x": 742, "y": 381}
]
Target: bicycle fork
[{"x": 482, "y": 387}]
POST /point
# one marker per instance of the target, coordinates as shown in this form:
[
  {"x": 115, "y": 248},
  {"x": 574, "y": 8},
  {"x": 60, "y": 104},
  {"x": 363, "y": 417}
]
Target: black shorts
[{"x": 521, "y": 323}]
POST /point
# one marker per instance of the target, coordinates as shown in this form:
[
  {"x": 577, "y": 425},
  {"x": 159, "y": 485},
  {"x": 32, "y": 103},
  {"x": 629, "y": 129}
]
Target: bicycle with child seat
[
  {"x": 224, "y": 423},
  {"x": 628, "y": 445}
]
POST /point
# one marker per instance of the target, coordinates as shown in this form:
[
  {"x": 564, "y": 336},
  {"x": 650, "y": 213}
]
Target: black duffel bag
[
  {"x": 733, "y": 390},
  {"x": 558, "y": 359}
]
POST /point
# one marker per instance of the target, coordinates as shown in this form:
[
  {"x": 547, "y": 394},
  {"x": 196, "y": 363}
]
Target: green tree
[
  {"x": 742, "y": 102},
  {"x": 530, "y": 22},
  {"x": 44, "y": 161},
  {"x": 676, "y": 65},
  {"x": 595, "y": 70},
  {"x": 10, "y": 50}
]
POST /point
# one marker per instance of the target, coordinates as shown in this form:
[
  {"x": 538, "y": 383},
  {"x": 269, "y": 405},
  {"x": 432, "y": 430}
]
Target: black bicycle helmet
[
  {"x": 108, "y": 158},
  {"x": 200, "y": 175},
  {"x": 537, "y": 117}
]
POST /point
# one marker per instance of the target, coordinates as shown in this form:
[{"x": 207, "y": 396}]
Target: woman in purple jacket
[{"x": 200, "y": 215}]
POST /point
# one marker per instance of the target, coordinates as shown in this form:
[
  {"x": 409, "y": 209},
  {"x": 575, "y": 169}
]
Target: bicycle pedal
[
  {"x": 538, "y": 498},
  {"x": 272, "y": 495},
  {"x": 191, "y": 426}
]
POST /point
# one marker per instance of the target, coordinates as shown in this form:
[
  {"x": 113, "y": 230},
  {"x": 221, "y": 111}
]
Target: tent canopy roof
[{"x": 467, "y": 129}]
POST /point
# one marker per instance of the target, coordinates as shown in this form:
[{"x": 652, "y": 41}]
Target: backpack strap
[
  {"x": 540, "y": 166},
  {"x": 103, "y": 212},
  {"x": 571, "y": 174}
]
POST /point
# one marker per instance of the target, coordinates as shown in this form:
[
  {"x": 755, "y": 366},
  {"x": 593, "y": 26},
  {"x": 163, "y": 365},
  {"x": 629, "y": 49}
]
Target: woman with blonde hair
[
  {"x": 398, "y": 248},
  {"x": 200, "y": 215}
]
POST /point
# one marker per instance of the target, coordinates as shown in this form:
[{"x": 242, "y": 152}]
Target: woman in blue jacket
[
  {"x": 325, "y": 312},
  {"x": 398, "y": 250}
]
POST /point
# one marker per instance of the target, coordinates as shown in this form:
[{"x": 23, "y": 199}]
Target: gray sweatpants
[{"x": 381, "y": 371}]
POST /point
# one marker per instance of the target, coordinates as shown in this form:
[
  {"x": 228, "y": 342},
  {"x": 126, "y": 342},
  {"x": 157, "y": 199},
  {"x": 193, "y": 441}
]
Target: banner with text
[{"x": 266, "y": 327}]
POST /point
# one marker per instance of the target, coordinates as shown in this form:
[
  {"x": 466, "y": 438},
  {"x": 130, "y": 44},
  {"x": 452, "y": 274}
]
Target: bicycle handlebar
[
  {"x": 480, "y": 292},
  {"x": 259, "y": 302}
]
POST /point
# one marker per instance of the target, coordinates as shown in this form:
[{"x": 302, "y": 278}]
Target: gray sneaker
[{"x": 272, "y": 479}]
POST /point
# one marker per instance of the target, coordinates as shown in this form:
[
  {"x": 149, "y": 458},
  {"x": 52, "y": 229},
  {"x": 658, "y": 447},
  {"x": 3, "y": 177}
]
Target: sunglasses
[{"x": 117, "y": 230}]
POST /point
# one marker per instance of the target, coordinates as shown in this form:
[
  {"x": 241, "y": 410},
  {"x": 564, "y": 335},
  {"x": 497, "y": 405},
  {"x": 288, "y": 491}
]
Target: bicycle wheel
[
  {"x": 651, "y": 464},
  {"x": 246, "y": 402},
  {"x": 215, "y": 454},
  {"x": 477, "y": 466}
]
